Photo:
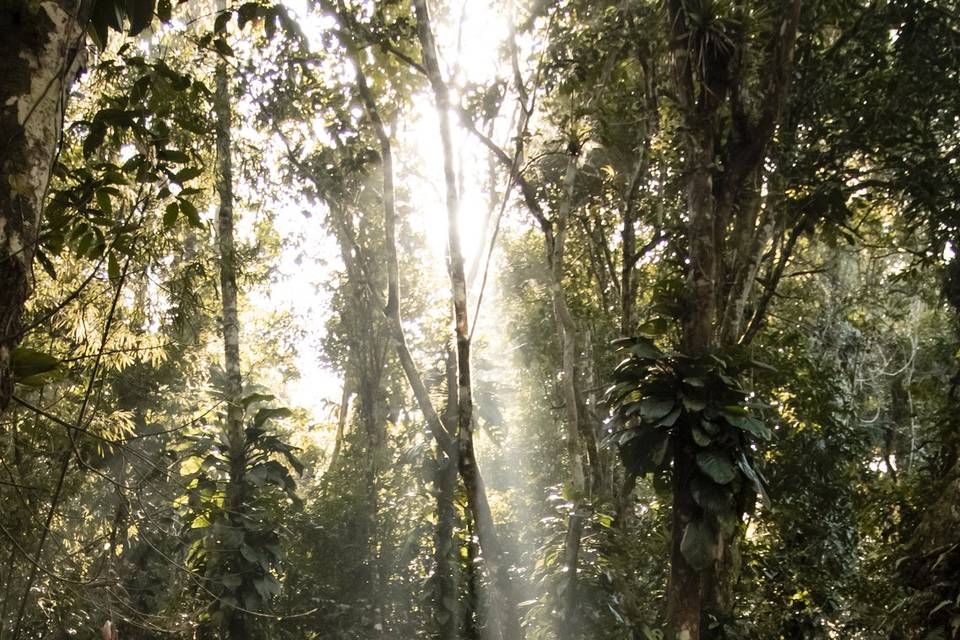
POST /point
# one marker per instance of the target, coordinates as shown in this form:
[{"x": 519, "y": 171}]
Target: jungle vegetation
[{"x": 487, "y": 320}]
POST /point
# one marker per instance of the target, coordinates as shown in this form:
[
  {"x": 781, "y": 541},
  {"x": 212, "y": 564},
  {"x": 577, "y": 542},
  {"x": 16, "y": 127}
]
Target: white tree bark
[{"x": 39, "y": 49}]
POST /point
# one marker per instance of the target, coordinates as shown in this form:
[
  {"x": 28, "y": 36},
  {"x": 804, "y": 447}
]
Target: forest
[{"x": 480, "y": 320}]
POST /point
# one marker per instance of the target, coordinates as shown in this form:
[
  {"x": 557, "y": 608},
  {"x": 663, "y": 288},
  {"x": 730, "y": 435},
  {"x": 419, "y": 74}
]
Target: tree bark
[
  {"x": 445, "y": 548},
  {"x": 716, "y": 190},
  {"x": 40, "y": 49},
  {"x": 469, "y": 469},
  {"x": 235, "y": 624},
  {"x": 566, "y": 330}
]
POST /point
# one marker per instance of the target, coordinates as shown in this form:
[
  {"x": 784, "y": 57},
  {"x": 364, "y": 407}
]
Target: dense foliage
[{"x": 575, "y": 319}]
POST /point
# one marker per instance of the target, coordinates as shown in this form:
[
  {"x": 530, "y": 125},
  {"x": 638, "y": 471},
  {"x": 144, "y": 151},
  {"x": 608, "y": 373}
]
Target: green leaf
[
  {"x": 644, "y": 348},
  {"x": 28, "y": 364},
  {"x": 670, "y": 419},
  {"x": 191, "y": 213},
  {"x": 716, "y": 465},
  {"x": 655, "y": 327},
  {"x": 172, "y": 155},
  {"x": 170, "y": 214},
  {"x": 223, "y": 48},
  {"x": 750, "y": 424},
  {"x": 710, "y": 496},
  {"x": 266, "y": 587},
  {"x": 659, "y": 453},
  {"x": 232, "y": 581},
  {"x": 103, "y": 202},
  {"x": 220, "y": 24},
  {"x": 653, "y": 408},
  {"x": 164, "y": 10},
  {"x": 248, "y": 11},
  {"x": 698, "y": 545},
  {"x": 47, "y": 264},
  {"x": 187, "y": 174},
  {"x": 140, "y": 14},
  {"x": 113, "y": 268},
  {"x": 105, "y": 15},
  {"x": 251, "y": 555},
  {"x": 710, "y": 426},
  {"x": 701, "y": 437},
  {"x": 256, "y": 397},
  {"x": 94, "y": 139},
  {"x": 270, "y": 413},
  {"x": 693, "y": 403},
  {"x": 754, "y": 478}
]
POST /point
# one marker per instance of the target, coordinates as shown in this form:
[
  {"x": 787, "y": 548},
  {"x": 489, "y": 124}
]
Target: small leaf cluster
[{"x": 664, "y": 404}]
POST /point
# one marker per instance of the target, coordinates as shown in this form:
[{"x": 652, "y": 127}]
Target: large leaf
[
  {"x": 140, "y": 14},
  {"x": 698, "y": 545},
  {"x": 232, "y": 581},
  {"x": 710, "y": 496},
  {"x": 256, "y": 397},
  {"x": 644, "y": 348},
  {"x": 654, "y": 408},
  {"x": 754, "y": 477},
  {"x": 749, "y": 424},
  {"x": 266, "y": 586},
  {"x": 33, "y": 367},
  {"x": 270, "y": 413},
  {"x": 644, "y": 450},
  {"x": 716, "y": 465}
]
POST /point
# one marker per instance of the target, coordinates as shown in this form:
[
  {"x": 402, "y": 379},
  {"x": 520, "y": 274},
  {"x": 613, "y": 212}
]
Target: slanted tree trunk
[
  {"x": 469, "y": 469},
  {"x": 235, "y": 624},
  {"x": 40, "y": 52}
]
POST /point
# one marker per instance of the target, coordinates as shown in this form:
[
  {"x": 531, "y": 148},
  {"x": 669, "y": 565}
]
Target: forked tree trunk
[
  {"x": 473, "y": 481},
  {"x": 469, "y": 469},
  {"x": 39, "y": 49},
  {"x": 720, "y": 189}
]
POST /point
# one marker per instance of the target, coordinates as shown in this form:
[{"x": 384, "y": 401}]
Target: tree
[{"x": 45, "y": 43}]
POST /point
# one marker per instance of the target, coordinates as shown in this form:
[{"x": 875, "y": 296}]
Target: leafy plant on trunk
[{"x": 662, "y": 402}]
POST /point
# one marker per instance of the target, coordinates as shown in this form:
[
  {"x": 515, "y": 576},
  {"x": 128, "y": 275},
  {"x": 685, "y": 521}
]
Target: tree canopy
[{"x": 568, "y": 320}]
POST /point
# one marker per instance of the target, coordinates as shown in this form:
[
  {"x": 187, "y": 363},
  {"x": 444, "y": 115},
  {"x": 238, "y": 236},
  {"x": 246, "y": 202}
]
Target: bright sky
[{"x": 306, "y": 268}]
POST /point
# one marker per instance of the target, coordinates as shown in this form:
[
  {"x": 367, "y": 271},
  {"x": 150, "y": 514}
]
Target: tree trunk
[
  {"x": 234, "y": 625},
  {"x": 570, "y": 621},
  {"x": 566, "y": 329},
  {"x": 343, "y": 413},
  {"x": 684, "y": 590},
  {"x": 39, "y": 48},
  {"x": 445, "y": 548},
  {"x": 469, "y": 470}
]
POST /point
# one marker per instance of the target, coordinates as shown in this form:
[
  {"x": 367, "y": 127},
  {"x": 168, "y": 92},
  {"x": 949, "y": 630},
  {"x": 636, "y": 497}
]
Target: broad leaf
[
  {"x": 27, "y": 363},
  {"x": 698, "y": 545},
  {"x": 653, "y": 408},
  {"x": 716, "y": 465},
  {"x": 267, "y": 414}
]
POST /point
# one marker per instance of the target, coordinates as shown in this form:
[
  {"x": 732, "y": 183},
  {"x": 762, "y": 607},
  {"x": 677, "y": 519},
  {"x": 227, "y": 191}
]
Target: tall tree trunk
[
  {"x": 40, "y": 46},
  {"x": 445, "y": 547},
  {"x": 566, "y": 330},
  {"x": 570, "y": 620},
  {"x": 684, "y": 590},
  {"x": 717, "y": 191},
  {"x": 235, "y": 624},
  {"x": 469, "y": 469}
]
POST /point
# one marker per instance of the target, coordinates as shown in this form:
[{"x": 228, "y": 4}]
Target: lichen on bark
[{"x": 40, "y": 47}]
